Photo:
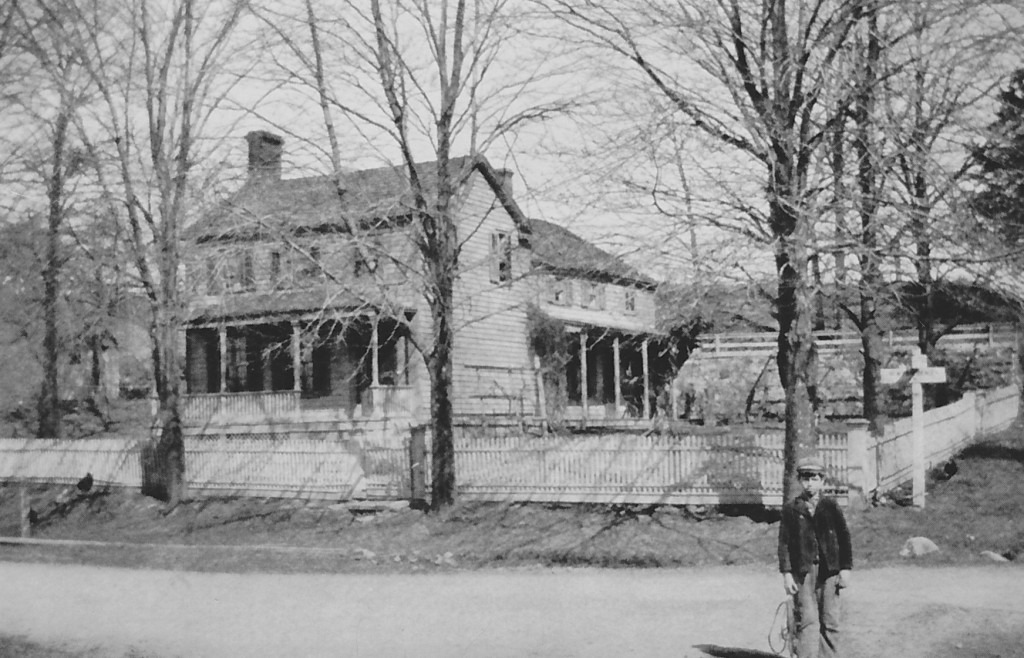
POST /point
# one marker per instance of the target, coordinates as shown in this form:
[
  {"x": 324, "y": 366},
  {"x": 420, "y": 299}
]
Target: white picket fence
[
  {"x": 740, "y": 466},
  {"x": 880, "y": 463},
  {"x": 112, "y": 461},
  {"x": 735, "y": 466}
]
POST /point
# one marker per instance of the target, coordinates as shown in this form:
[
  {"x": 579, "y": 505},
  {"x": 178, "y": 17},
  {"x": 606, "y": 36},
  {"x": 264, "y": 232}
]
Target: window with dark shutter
[{"x": 501, "y": 257}]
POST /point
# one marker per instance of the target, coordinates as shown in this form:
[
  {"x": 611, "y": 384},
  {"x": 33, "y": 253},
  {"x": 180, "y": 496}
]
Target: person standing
[{"x": 815, "y": 559}]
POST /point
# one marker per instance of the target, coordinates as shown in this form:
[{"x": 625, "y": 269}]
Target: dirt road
[{"x": 909, "y": 612}]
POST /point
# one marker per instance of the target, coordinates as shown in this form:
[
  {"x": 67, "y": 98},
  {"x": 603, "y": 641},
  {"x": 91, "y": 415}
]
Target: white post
[
  {"x": 647, "y": 381},
  {"x": 376, "y": 396},
  {"x": 857, "y": 466},
  {"x": 617, "y": 364},
  {"x": 401, "y": 360},
  {"x": 26, "y": 510},
  {"x": 375, "y": 355},
  {"x": 542, "y": 403},
  {"x": 917, "y": 397},
  {"x": 919, "y": 373},
  {"x": 584, "y": 393},
  {"x": 296, "y": 357}
]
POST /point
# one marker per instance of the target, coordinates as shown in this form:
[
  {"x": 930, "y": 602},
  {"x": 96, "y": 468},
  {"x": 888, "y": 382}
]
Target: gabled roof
[
  {"x": 561, "y": 251},
  {"x": 375, "y": 198}
]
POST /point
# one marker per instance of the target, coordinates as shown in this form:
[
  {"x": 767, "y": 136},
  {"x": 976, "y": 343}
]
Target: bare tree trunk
[
  {"x": 442, "y": 465},
  {"x": 868, "y": 182},
  {"x": 49, "y": 398},
  {"x": 796, "y": 358}
]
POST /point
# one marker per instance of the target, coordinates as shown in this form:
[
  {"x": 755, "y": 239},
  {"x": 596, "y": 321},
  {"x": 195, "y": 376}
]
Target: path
[{"x": 909, "y": 612}]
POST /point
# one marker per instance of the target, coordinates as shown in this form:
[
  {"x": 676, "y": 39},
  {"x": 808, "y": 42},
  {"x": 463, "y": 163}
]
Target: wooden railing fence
[{"x": 962, "y": 337}]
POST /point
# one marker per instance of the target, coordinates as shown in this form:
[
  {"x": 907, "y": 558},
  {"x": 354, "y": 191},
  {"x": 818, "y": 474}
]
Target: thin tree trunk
[
  {"x": 49, "y": 398},
  {"x": 796, "y": 342},
  {"x": 867, "y": 179}
]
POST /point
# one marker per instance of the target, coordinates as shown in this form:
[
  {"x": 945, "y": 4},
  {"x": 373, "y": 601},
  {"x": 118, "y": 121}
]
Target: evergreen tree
[{"x": 1000, "y": 196}]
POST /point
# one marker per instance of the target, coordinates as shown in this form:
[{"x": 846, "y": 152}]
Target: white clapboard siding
[{"x": 491, "y": 369}]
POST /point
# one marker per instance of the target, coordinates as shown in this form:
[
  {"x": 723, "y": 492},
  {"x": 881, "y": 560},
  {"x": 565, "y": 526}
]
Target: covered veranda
[{"x": 323, "y": 365}]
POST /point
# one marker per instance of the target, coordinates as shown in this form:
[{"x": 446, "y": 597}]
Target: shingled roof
[
  {"x": 372, "y": 197},
  {"x": 561, "y": 251}
]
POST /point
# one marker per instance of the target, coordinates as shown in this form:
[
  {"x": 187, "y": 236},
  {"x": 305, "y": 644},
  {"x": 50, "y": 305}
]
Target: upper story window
[
  {"x": 365, "y": 261},
  {"x": 560, "y": 292},
  {"x": 213, "y": 286},
  {"x": 501, "y": 257},
  {"x": 591, "y": 295},
  {"x": 309, "y": 266},
  {"x": 230, "y": 271},
  {"x": 275, "y": 268},
  {"x": 629, "y": 302}
]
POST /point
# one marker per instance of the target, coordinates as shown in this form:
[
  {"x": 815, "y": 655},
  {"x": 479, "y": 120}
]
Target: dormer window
[
  {"x": 629, "y": 303},
  {"x": 501, "y": 257}
]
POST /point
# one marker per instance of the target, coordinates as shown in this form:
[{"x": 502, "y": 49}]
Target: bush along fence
[{"x": 729, "y": 465}]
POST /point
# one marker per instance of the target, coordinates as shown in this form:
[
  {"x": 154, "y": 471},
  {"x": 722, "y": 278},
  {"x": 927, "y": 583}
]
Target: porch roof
[
  {"x": 577, "y": 318},
  {"x": 282, "y": 305}
]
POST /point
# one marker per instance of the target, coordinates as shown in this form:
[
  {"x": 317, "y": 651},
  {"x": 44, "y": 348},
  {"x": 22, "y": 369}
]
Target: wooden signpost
[{"x": 917, "y": 374}]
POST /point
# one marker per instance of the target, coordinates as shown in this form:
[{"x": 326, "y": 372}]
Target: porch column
[
  {"x": 401, "y": 360},
  {"x": 375, "y": 355},
  {"x": 376, "y": 394},
  {"x": 584, "y": 393},
  {"x": 222, "y": 344},
  {"x": 296, "y": 357},
  {"x": 647, "y": 382},
  {"x": 616, "y": 364}
]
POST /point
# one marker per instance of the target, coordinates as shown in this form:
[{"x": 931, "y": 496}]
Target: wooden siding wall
[
  {"x": 393, "y": 251},
  {"x": 492, "y": 370}
]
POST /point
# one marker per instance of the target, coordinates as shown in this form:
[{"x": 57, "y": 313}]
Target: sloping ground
[{"x": 979, "y": 508}]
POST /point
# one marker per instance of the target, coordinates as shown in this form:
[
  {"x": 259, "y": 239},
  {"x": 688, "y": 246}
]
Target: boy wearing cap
[{"x": 815, "y": 558}]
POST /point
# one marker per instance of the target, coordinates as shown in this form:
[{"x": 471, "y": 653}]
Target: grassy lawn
[{"x": 980, "y": 508}]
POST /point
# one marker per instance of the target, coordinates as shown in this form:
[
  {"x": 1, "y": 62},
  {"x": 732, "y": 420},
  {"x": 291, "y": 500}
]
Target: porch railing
[
  {"x": 379, "y": 401},
  {"x": 201, "y": 407}
]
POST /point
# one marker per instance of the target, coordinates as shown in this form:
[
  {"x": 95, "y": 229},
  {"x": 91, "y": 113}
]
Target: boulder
[
  {"x": 995, "y": 557},
  {"x": 918, "y": 546}
]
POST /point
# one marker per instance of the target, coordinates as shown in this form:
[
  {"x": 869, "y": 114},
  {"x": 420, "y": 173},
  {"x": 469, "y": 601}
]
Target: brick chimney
[
  {"x": 505, "y": 176},
  {"x": 265, "y": 150}
]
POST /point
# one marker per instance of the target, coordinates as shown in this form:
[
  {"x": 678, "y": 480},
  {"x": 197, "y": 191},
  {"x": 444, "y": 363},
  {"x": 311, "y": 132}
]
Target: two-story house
[{"x": 309, "y": 304}]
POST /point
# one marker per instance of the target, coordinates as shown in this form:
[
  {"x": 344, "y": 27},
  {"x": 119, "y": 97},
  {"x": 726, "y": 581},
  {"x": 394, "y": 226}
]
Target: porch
[
  {"x": 608, "y": 380},
  {"x": 299, "y": 370}
]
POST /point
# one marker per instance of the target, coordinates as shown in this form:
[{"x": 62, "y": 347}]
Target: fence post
[
  {"x": 417, "y": 466},
  {"x": 26, "y": 510},
  {"x": 857, "y": 466}
]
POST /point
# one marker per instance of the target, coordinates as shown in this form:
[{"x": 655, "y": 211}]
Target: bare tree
[
  {"x": 768, "y": 67},
  {"x": 159, "y": 70},
  {"x": 38, "y": 39},
  {"x": 427, "y": 80}
]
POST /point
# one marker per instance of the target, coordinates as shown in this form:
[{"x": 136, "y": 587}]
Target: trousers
[{"x": 816, "y": 616}]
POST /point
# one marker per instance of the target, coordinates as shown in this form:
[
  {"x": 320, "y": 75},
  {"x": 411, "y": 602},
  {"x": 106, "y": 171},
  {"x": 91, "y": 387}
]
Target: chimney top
[
  {"x": 265, "y": 151},
  {"x": 505, "y": 176}
]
